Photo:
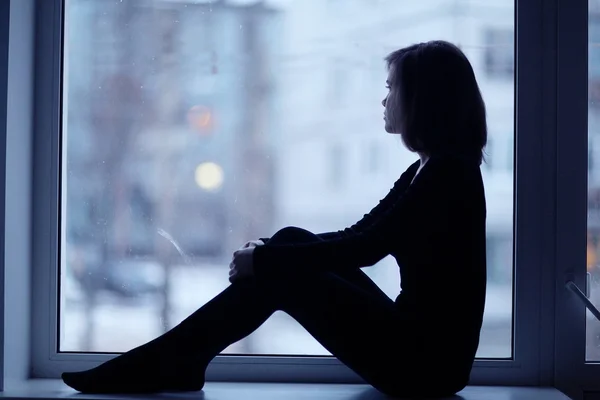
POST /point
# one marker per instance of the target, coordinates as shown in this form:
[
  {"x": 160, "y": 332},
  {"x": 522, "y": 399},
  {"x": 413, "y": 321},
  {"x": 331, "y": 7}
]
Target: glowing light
[
  {"x": 200, "y": 118},
  {"x": 209, "y": 176}
]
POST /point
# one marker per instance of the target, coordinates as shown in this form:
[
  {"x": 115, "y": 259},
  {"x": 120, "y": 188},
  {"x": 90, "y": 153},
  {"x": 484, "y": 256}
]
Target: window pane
[
  {"x": 593, "y": 243},
  {"x": 191, "y": 127}
]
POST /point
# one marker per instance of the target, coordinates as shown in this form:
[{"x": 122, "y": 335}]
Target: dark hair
[{"x": 444, "y": 113}]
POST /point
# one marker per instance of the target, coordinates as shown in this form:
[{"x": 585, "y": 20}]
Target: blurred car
[
  {"x": 125, "y": 278},
  {"x": 132, "y": 278}
]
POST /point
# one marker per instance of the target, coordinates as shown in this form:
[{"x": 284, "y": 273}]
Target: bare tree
[{"x": 115, "y": 110}]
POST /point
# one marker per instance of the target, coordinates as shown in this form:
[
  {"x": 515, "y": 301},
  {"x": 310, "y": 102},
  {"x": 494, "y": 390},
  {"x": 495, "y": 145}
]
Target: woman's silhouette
[{"x": 432, "y": 222}]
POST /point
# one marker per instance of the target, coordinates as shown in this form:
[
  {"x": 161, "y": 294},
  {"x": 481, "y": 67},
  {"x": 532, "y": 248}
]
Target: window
[
  {"x": 499, "y": 55},
  {"x": 374, "y": 157},
  {"x": 128, "y": 111},
  {"x": 594, "y": 64},
  {"x": 338, "y": 83},
  {"x": 128, "y": 106},
  {"x": 337, "y": 167},
  {"x": 577, "y": 358},
  {"x": 593, "y": 241}
]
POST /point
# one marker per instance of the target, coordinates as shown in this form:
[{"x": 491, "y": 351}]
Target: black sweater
[{"x": 435, "y": 229}]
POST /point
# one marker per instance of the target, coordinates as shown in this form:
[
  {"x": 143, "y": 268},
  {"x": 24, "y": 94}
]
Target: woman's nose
[{"x": 383, "y": 101}]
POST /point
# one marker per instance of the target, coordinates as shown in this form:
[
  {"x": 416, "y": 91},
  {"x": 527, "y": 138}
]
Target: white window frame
[{"x": 535, "y": 283}]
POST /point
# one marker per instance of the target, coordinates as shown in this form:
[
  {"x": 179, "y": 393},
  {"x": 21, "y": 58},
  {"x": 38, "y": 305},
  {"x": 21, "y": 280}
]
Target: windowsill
[{"x": 55, "y": 389}]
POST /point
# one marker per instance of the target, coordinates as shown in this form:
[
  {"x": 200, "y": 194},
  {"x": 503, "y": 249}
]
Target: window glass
[{"x": 191, "y": 127}]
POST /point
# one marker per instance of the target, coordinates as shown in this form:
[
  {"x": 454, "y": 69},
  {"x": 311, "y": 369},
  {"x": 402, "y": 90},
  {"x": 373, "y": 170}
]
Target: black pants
[{"x": 346, "y": 312}]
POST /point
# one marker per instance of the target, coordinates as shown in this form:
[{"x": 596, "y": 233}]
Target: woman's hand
[
  {"x": 252, "y": 243},
  {"x": 241, "y": 265}
]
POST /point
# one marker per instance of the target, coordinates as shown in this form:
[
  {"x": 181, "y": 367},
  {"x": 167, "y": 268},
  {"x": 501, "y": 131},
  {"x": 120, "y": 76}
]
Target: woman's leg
[
  {"x": 294, "y": 234},
  {"x": 177, "y": 360},
  {"x": 357, "y": 326}
]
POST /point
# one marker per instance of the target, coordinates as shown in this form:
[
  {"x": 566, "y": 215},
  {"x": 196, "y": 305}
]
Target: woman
[{"x": 432, "y": 222}]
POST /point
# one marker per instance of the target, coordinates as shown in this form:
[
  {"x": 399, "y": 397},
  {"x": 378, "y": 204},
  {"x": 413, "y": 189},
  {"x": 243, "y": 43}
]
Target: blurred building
[
  {"x": 170, "y": 119},
  {"x": 593, "y": 136}
]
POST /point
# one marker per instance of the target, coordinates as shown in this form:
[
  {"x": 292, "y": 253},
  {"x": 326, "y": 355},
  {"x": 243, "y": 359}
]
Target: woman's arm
[
  {"x": 322, "y": 236},
  {"x": 439, "y": 190},
  {"x": 377, "y": 237},
  {"x": 357, "y": 250}
]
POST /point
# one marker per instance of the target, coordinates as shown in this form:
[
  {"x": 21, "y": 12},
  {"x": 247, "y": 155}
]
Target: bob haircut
[{"x": 443, "y": 111}]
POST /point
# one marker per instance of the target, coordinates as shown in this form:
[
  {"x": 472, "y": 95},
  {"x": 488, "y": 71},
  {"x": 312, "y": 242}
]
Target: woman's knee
[{"x": 292, "y": 234}]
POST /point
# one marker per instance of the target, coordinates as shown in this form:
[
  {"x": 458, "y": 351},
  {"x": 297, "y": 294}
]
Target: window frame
[
  {"x": 4, "y": 60},
  {"x": 574, "y": 376},
  {"x": 535, "y": 103}
]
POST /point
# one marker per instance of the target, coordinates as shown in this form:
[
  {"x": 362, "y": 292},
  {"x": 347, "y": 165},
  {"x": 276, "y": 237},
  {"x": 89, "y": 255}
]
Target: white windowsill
[{"x": 55, "y": 389}]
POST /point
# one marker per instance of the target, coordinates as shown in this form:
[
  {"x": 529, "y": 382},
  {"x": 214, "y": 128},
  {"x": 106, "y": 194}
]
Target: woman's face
[{"x": 393, "y": 115}]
